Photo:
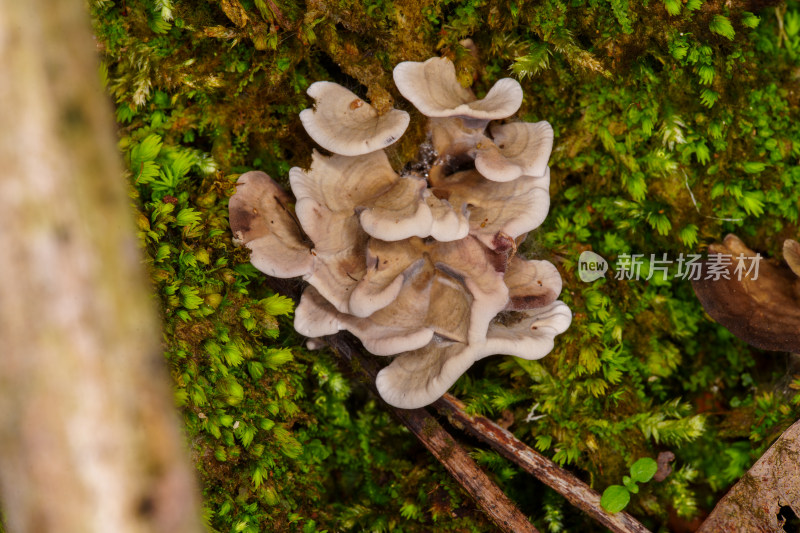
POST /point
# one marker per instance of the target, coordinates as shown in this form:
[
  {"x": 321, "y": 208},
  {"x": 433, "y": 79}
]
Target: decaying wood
[
  {"x": 447, "y": 451},
  {"x": 89, "y": 439},
  {"x": 506, "y": 444},
  {"x": 755, "y": 502}
]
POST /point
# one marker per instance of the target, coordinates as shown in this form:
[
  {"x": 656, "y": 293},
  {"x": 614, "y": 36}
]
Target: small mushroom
[
  {"x": 518, "y": 149},
  {"x": 419, "y": 377},
  {"x": 260, "y": 219},
  {"x": 345, "y": 124},
  {"x": 531, "y": 284},
  {"x": 762, "y": 311},
  {"x": 389, "y": 331},
  {"x": 512, "y": 208},
  {"x": 433, "y": 88}
]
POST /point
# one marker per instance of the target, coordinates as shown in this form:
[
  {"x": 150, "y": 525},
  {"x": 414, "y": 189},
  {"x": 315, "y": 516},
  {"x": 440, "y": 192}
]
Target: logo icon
[{"x": 591, "y": 266}]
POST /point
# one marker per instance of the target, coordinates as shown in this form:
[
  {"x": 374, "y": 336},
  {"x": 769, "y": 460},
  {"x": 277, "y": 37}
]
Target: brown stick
[
  {"x": 500, "y": 509},
  {"x": 504, "y": 442}
]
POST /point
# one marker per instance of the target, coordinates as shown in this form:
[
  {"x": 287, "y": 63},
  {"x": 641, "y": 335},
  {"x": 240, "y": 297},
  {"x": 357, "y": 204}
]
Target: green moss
[{"x": 675, "y": 123}]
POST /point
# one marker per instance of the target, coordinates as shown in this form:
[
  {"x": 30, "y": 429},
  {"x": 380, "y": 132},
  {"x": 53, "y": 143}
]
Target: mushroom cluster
[{"x": 421, "y": 266}]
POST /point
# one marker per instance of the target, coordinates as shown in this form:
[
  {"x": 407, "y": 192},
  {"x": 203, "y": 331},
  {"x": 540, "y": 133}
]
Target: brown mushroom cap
[
  {"x": 260, "y": 219},
  {"x": 764, "y": 312},
  {"x": 433, "y": 88},
  {"x": 344, "y": 124},
  {"x": 531, "y": 283}
]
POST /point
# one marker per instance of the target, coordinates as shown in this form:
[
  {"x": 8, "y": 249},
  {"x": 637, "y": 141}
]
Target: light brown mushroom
[
  {"x": 261, "y": 219},
  {"x": 419, "y": 377},
  {"x": 517, "y": 149},
  {"x": 424, "y": 269},
  {"x": 531, "y": 283},
  {"x": 512, "y": 208},
  {"x": 433, "y": 88},
  {"x": 762, "y": 311},
  {"x": 345, "y": 124}
]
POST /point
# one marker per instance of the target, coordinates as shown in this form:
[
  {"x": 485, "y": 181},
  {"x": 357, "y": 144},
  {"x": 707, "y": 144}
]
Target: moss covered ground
[{"x": 675, "y": 123}]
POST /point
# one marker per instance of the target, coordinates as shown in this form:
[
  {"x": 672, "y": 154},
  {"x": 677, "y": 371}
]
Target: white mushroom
[
  {"x": 433, "y": 88},
  {"x": 518, "y": 149},
  {"x": 260, "y": 219},
  {"x": 345, "y": 124},
  {"x": 396, "y": 332},
  {"x": 511, "y": 208},
  {"x": 531, "y": 284},
  {"x": 421, "y": 268},
  {"x": 419, "y": 377}
]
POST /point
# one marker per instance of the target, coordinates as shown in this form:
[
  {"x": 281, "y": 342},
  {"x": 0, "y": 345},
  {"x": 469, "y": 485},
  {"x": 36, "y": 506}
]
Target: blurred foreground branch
[{"x": 89, "y": 440}]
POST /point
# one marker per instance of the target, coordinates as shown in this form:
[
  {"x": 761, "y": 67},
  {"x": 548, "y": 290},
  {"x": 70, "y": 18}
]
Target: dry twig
[
  {"x": 504, "y": 442},
  {"x": 500, "y": 509}
]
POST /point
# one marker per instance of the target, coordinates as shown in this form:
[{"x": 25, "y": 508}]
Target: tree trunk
[{"x": 89, "y": 440}]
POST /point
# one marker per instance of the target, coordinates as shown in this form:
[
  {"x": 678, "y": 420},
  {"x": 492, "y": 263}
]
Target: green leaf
[
  {"x": 276, "y": 358},
  {"x": 708, "y": 97},
  {"x": 644, "y": 469},
  {"x": 722, "y": 26},
  {"x": 277, "y": 305},
  {"x": 754, "y": 167},
  {"x": 752, "y": 202},
  {"x": 673, "y": 7},
  {"x": 706, "y": 73},
  {"x": 615, "y": 498},
  {"x": 147, "y": 150},
  {"x": 688, "y": 235},
  {"x": 187, "y": 217},
  {"x": 535, "y": 61},
  {"x": 750, "y": 20}
]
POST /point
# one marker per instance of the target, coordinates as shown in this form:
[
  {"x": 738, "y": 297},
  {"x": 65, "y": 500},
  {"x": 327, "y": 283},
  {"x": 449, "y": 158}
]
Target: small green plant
[{"x": 616, "y": 497}]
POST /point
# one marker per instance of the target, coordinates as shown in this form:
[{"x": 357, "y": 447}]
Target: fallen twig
[
  {"x": 500, "y": 509},
  {"x": 504, "y": 442}
]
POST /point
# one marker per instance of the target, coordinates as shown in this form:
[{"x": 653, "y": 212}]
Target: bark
[
  {"x": 767, "y": 494},
  {"x": 89, "y": 439}
]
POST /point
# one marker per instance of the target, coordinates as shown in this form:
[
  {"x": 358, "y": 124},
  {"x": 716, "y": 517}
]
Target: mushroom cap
[
  {"x": 388, "y": 332},
  {"x": 762, "y": 311},
  {"x": 512, "y": 208},
  {"x": 343, "y": 183},
  {"x": 433, "y": 88},
  {"x": 387, "y": 269},
  {"x": 344, "y": 124},
  {"x": 260, "y": 219},
  {"x": 518, "y": 149},
  {"x": 531, "y": 283},
  {"x": 419, "y": 377}
]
